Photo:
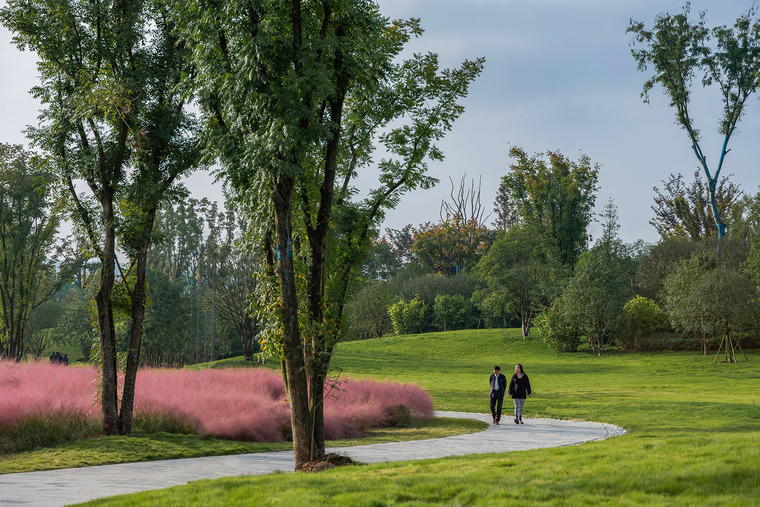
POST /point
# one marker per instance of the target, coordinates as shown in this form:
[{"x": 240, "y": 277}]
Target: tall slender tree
[
  {"x": 680, "y": 50},
  {"x": 28, "y": 224}
]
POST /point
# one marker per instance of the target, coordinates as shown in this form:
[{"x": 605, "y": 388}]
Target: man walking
[{"x": 498, "y": 383}]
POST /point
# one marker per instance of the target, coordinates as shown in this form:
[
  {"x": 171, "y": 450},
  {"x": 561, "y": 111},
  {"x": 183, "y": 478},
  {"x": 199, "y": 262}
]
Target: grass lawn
[{"x": 693, "y": 431}]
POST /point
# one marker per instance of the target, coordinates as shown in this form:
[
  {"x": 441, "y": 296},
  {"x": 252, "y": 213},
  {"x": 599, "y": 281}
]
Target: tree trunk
[
  {"x": 317, "y": 407},
  {"x": 138, "y": 320},
  {"x": 296, "y": 382},
  {"x": 109, "y": 395},
  {"x": 248, "y": 339}
]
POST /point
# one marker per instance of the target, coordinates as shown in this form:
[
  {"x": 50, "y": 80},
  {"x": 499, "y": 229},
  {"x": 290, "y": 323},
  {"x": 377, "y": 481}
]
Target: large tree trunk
[
  {"x": 319, "y": 363},
  {"x": 297, "y": 386},
  {"x": 109, "y": 395},
  {"x": 138, "y": 320}
]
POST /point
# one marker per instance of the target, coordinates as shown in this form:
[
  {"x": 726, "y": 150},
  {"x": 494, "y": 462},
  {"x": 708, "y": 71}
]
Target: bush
[
  {"x": 641, "y": 317},
  {"x": 407, "y": 317},
  {"x": 451, "y": 311},
  {"x": 557, "y": 329}
]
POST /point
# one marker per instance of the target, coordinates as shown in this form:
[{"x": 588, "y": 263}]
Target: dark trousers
[{"x": 496, "y": 402}]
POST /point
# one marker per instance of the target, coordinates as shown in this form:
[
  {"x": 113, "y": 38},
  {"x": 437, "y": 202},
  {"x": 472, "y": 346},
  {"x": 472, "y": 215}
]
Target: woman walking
[{"x": 519, "y": 387}]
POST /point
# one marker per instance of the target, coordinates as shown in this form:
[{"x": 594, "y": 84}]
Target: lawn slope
[{"x": 693, "y": 431}]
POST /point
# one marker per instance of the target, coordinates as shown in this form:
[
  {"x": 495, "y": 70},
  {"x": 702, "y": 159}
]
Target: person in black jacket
[
  {"x": 519, "y": 387},
  {"x": 498, "y": 383}
]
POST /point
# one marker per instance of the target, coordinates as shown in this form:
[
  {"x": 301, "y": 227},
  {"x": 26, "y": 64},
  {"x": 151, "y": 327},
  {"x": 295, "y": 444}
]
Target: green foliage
[
  {"x": 28, "y": 224},
  {"x": 707, "y": 297},
  {"x": 641, "y": 317},
  {"x": 167, "y": 321},
  {"x": 600, "y": 287},
  {"x": 555, "y": 199},
  {"x": 556, "y": 328},
  {"x": 680, "y": 50},
  {"x": 451, "y": 312},
  {"x": 367, "y": 312},
  {"x": 407, "y": 316},
  {"x": 78, "y": 324},
  {"x": 294, "y": 100},
  {"x": 660, "y": 261},
  {"x": 451, "y": 246},
  {"x": 518, "y": 276}
]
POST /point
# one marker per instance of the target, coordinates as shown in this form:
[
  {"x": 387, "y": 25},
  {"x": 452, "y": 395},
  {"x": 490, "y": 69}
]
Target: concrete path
[{"x": 72, "y": 485}]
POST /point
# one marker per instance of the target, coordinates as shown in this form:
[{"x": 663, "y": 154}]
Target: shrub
[
  {"x": 557, "y": 329},
  {"x": 641, "y": 317},
  {"x": 407, "y": 317},
  {"x": 451, "y": 311}
]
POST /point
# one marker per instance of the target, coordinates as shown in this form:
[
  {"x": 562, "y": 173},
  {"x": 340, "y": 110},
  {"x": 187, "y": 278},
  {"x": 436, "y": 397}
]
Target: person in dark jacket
[
  {"x": 519, "y": 388},
  {"x": 498, "y": 383}
]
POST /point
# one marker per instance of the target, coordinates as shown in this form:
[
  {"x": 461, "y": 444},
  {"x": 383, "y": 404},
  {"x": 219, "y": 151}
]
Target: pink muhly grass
[
  {"x": 361, "y": 404},
  {"x": 42, "y": 390},
  {"x": 237, "y": 404}
]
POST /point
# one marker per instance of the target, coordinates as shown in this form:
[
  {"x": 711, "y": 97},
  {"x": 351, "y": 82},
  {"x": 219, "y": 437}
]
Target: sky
[{"x": 558, "y": 76}]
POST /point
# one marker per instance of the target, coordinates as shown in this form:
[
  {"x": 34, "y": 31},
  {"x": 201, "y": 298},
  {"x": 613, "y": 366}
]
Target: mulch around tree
[{"x": 326, "y": 462}]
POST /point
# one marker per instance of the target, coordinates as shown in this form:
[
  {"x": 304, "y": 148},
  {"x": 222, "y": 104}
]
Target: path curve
[{"x": 73, "y": 485}]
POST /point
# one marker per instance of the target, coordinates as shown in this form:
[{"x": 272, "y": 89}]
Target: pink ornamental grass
[
  {"x": 43, "y": 390},
  {"x": 240, "y": 404}
]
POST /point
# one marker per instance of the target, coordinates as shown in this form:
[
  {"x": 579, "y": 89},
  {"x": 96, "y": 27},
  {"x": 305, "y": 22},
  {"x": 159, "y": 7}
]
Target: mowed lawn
[{"x": 693, "y": 431}]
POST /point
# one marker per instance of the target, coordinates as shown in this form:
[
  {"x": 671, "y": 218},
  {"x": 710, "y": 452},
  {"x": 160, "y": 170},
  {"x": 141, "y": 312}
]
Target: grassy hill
[{"x": 693, "y": 431}]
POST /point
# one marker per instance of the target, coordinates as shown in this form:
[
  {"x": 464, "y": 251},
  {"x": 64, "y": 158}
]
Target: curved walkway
[{"x": 72, "y": 485}]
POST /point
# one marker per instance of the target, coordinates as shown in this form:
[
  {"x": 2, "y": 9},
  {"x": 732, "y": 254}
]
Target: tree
[
  {"x": 707, "y": 297},
  {"x": 660, "y": 261},
  {"x": 383, "y": 261},
  {"x": 237, "y": 288},
  {"x": 557, "y": 328},
  {"x": 28, "y": 224},
  {"x": 115, "y": 122},
  {"x": 641, "y": 317},
  {"x": 402, "y": 240},
  {"x": 465, "y": 204},
  {"x": 518, "y": 277},
  {"x": 601, "y": 285},
  {"x": 505, "y": 207},
  {"x": 167, "y": 321},
  {"x": 555, "y": 198},
  {"x": 685, "y": 211},
  {"x": 78, "y": 324},
  {"x": 451, "y": 246},
  {"x": 293, "y": 96},
  {"x": 451, "y": 311},
  {"x": 679, "y": 49}
]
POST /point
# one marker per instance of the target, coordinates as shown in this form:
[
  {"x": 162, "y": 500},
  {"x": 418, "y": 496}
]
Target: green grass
[
  {"x": 106, "y": 450},
  {"x": 693, "y": 431}
]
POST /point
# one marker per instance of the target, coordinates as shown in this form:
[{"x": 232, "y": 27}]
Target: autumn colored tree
[
  {"x": 452, "y": 245},
  {"x": 553, "y": 197},
  {"x": 681, "y": 210}
]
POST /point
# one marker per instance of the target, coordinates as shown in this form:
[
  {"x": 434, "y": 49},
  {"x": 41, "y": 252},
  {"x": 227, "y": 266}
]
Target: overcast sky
[{"x": 559, "y": 75}]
